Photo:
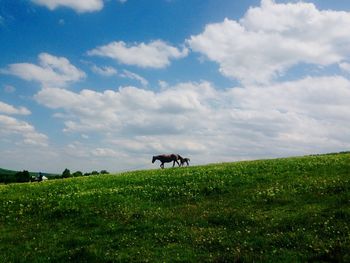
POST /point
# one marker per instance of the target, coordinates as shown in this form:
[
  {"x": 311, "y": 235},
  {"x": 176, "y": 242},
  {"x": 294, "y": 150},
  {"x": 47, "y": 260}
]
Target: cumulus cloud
[
  {"x": 198, "y": 120},
  {"x": 18, "y": 132},
  {"x": 104, "y": 71},
  {"x": 311, "y": 109},
  {"x": 310, "y": 115},
  {"x": 80, "y": 6},
  {"x": 345, "y": 66},
  {"x": 9, "y": 109},
  {"x": 52, "y": 71},
  {"x": 10, "y": 127},
  {"x": 104, "y": 152},
  {"x": 128, "y": 110},
  {"x": 272, "y": 38},
  {"x": 131, "y": 75},
  {"x": 156, "y": 54}
]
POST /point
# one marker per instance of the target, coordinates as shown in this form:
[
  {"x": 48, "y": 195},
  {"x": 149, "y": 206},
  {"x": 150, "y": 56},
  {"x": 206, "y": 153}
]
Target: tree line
[
  {"x": 66, "y": 173},
  {"x": 15, "y": 177},
  {"x": 25, "y": 176}
]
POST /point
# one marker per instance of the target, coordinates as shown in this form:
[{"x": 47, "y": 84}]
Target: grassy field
[{"x": 282, "y": 210}]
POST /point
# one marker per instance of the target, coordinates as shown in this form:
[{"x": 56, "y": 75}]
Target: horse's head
[{"x": 154, "y": 159}]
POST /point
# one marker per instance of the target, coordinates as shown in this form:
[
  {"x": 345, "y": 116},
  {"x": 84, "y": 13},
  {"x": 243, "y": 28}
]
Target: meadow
[{"x": 281, "y": 210}]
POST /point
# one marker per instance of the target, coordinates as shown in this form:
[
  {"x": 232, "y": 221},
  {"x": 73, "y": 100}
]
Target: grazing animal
[
  {"x": 167, "y": 158},
  {"x": 185, "y": 160}
]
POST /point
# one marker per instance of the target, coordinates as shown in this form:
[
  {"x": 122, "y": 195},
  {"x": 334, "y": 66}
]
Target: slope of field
[
  {"x": 282, "y": 210},
  {"x": 7, "y": 176},
  {"x": 6, "y": 172}
]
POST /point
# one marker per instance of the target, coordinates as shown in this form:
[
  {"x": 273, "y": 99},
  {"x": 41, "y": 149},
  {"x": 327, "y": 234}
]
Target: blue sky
[{"x": 93, "y": 84}]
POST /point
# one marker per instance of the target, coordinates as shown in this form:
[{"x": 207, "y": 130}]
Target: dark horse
[
  {"x": 184, "y": 160},
  {"x": 167, "y": 158}
]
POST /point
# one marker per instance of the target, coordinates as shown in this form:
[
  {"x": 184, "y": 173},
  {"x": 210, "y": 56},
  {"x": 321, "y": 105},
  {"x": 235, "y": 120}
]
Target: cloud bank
[
  {"x": 80, "y": 6},
  {"x": 52, "y": 71},
  {"x": 273, "y": 38},
  {"x": 156, "y": 54},
  {"x": 212, "y": 124},
  {"x": 18, "y": 131}
]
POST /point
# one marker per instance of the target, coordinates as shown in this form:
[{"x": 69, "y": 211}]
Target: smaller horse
[
  {"x": 185, "y": 160},
  {"x": 167, "y": 158}
]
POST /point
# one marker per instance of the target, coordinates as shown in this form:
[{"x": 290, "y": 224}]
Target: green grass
[{"x": 282, "y": 210}]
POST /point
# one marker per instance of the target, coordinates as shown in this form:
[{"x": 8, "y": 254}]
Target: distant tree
[
  {"x": 23, "y": 176},
  {"x": 66, "y": 173},
  {"x": 104, "y": 172},
  {"x": 87, "y": 174},
  {"x": 77, "y": 174},
  {"x": 95, "y": 173}
]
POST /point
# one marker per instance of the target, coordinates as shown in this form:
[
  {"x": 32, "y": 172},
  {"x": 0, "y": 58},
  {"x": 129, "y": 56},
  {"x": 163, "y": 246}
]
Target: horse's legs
[
  {"x": 178, "y": 163},
  {"x": 162, "y": 165}
]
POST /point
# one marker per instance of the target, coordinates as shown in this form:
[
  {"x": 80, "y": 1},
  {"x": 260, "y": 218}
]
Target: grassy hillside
[
  {"x": 6, "y": 172},
  {"x": 283, "y": 210}
]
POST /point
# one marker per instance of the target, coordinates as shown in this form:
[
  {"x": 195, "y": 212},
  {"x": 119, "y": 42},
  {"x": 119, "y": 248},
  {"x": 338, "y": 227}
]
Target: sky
[{"x": 106, "y": 84}]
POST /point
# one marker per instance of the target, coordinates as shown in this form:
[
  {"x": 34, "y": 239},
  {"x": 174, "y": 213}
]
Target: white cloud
[
  {"x": 80, "y": 6},
  {"x": 156, "y": 54},
  {"x": 311, "y": 115},
  {"x": 345, "y": 66},
  {"x": 127, "y": 110},
  {"x": 272, "y": 38},
  {"x": 104, "y": 152},
  {"x": 52, "y": 71},
  {"x": 104, "y": 71},
  {"x": 17, "y": 133},
  {"x": 163, "y": 84},
  {"x": 9, "y": 109},
  {"x": 131, "y": 75},
  {"x": 10, "y": 127}
]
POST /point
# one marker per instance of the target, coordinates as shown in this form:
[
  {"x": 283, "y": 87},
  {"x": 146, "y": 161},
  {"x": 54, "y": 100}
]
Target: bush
[
  {"x": 66, "y": 173},
  {"x": 22, "y": 177},
  {"x": 77, "y": 174}
]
